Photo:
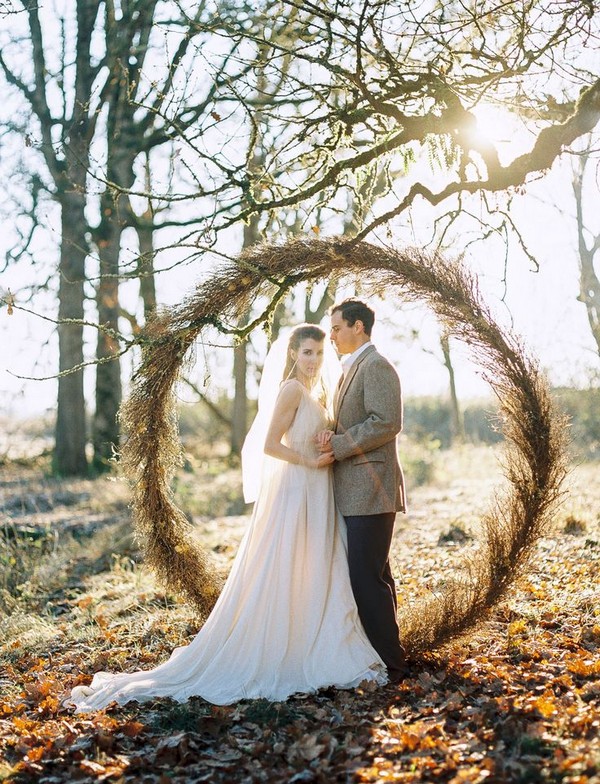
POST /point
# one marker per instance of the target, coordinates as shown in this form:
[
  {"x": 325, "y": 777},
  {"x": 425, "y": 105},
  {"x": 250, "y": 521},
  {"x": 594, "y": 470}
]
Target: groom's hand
[
  {"x": 324, "y": 460},
  {"x": 325, "y": 449}
]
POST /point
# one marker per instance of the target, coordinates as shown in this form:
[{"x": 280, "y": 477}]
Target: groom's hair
[{"x": 354, "y": 310}]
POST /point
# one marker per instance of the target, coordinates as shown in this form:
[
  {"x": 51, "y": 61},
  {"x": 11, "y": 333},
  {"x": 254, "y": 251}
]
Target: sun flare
[{"x": 495, "y": 125}]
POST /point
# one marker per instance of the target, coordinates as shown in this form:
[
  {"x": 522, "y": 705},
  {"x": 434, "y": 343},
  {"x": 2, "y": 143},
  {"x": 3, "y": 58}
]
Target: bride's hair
[{"x": 299, "y": 334}]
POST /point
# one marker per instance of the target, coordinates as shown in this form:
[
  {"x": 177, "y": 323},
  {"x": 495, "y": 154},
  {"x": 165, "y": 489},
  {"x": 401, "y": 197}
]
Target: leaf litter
[{"x": 516, "y": 701}]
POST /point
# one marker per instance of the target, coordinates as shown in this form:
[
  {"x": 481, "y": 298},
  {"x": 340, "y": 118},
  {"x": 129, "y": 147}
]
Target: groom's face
[{"x": 344, "y": 337}]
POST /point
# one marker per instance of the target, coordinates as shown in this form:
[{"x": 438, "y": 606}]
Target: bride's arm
[{"x": 283, "y": 416}]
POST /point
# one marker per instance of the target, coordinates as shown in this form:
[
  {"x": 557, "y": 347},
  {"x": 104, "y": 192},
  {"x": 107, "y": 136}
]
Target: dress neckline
[{"x": 309, "y": 394}]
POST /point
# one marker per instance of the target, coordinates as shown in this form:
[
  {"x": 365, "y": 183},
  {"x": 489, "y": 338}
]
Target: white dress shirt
[{"x": 349, "y": 359}]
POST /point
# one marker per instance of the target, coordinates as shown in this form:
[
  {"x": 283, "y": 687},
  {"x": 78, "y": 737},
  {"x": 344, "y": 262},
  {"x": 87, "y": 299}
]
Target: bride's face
[{"x": 309, "y": 358}]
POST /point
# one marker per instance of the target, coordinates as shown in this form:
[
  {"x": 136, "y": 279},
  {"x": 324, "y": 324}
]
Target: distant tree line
[{"x": 427, "y": 420}]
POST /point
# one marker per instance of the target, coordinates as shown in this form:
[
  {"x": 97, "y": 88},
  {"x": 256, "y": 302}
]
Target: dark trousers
[{"x": 369, "y": 539}]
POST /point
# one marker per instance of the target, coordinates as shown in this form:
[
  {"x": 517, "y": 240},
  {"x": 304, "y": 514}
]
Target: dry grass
[{"x": 89, "y": 588}]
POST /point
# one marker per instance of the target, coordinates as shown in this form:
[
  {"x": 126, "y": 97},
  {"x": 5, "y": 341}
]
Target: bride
[{"x": 286, "y": 620}]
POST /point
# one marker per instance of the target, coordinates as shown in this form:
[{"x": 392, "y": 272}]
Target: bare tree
[
  {"x": 83, "y": 63},
  {"x": 127, "y": 47},
  {"x": 588, "y": 246},
  {"x": 363, "y": 93},
  {"x": 378, "y": 83},
  {"x": 457, "y": 427},
  {"x": 67, "y": 163},
  {"x": 134, "y": 131}
]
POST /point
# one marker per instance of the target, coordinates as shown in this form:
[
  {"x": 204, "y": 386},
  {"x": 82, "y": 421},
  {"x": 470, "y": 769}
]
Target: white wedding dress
[{"x": 286, "y": 620}]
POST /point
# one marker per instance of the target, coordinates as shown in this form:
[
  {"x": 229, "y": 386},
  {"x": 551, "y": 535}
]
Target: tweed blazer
[{"x": 367, "y": 475}]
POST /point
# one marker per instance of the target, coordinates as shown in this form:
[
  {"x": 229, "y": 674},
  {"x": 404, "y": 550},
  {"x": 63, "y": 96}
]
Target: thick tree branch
[{"x": 547, "y": 148}]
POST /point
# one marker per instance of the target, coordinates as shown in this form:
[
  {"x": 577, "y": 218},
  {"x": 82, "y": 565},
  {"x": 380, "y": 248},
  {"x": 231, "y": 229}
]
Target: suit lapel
[
  {"x": 336, "y": 394},
  {"x": 341, "y": 391}
]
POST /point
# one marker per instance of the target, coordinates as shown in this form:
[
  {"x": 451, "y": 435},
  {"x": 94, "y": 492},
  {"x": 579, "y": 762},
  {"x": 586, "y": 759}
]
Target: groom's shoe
[{"x": 397, "y": 675}]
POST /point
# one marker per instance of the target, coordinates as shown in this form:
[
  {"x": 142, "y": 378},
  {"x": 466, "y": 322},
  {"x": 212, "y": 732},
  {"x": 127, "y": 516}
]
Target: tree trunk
[
  {"x": 105, "y": 430},
  {"x": 589, "y": 284},
  {"x": 115, "y": 215},
  {"x": 457, "y": 421},
  {"x": 144, "y": 225},
  {"x": 146, "y": 266},
  {"x": 239, "y": 414},
  {"x": 70, "y": 175},
  {"x": 70, "y": 435},
  {"x": 316, "y": 315},
  {"x": 589, "y": 293}
]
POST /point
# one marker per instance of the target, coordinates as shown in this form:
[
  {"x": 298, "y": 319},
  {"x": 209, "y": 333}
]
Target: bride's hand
[{"x": 323, "y": 437}]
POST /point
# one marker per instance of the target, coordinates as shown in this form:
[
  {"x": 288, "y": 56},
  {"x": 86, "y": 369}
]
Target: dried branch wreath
[{"x": 535, "y": 458}]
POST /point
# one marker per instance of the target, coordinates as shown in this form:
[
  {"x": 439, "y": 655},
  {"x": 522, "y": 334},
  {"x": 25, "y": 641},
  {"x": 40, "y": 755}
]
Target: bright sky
[{"x": 541, "y": 305}]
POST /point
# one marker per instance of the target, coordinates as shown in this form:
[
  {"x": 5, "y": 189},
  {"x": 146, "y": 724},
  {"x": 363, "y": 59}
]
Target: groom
[{"x": 368, "y": 479}]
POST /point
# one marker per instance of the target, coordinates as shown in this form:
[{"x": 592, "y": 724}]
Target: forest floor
[{"x": 516, "y": 701}]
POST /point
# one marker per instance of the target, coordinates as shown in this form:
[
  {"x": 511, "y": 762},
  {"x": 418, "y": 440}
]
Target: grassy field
[{"x": 517, "y": 701}]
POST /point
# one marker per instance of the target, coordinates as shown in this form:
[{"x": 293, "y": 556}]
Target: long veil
[{"x": 253, "y": 456}]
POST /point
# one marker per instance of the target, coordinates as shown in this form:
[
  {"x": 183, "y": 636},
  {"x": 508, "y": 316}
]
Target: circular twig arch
[{"x": 534, "y": 463}]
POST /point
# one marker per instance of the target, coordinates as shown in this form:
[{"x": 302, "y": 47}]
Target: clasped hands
[{"x": 323, "y": 444}]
